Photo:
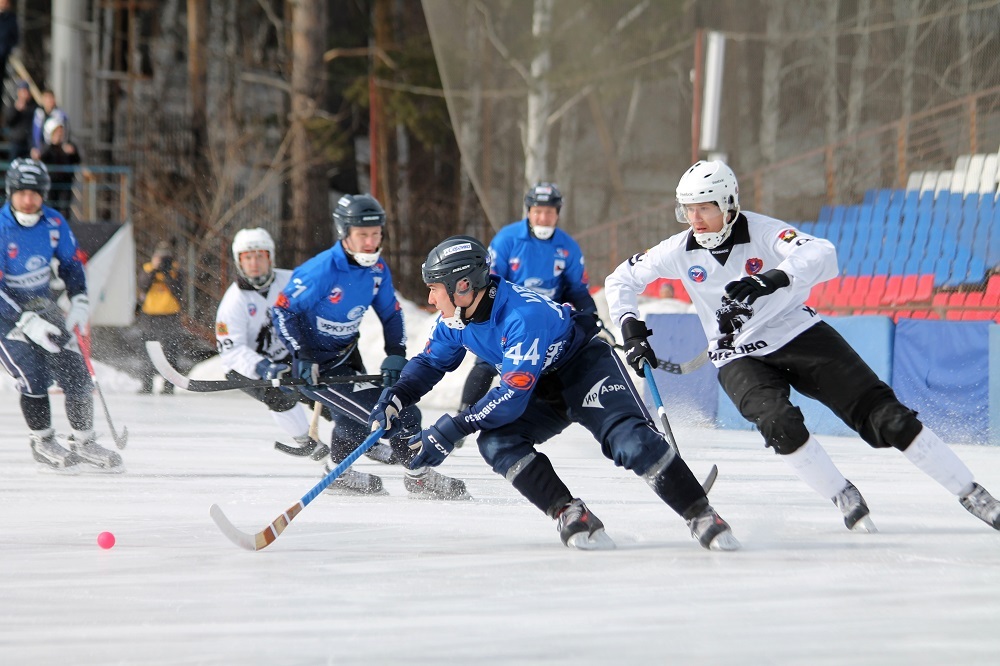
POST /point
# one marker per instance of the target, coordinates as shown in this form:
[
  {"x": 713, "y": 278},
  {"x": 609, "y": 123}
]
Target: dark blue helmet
[
  {"x": 28, "y": 174},
  {"x": 455, "y": 259},
  {"x": 544, "y": 194},
  {"x": 357, "y": 210}
]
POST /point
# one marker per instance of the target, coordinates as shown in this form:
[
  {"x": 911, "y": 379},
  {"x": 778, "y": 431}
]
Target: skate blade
[
  {"x": 865, "y": 525},
  {"x": 599, "y": 540},
  {"x": 45, "y": 468},
  {"x": 725, "y": 541},
  {"x": 346, "y": 492},
  {"x": 86, "y": 468},
  {"x": 418, "y": 495}
]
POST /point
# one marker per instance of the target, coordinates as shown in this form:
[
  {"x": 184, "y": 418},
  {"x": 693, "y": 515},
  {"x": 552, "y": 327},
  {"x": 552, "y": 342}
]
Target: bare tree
[
  {"x": 310, "y": 224},
  {"x": 536, "y": 135}
]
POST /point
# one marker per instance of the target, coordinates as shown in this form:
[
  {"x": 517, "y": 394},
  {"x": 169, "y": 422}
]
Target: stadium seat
[
  {"x": 893, "y": 284},
  {"x": 956, "y": 305},
  {"x": 925, "y": 289}
]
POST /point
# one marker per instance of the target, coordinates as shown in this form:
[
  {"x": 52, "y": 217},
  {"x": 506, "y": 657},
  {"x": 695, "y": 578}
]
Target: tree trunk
[
  {"x": 770, "y": 111},
  {"x": 310, "y": 227},
  {"x": 536, "y": 139}
]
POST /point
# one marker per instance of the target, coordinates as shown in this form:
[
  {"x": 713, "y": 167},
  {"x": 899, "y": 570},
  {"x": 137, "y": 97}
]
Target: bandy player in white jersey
[
  {"x": 246, "y": 343},
  {"x": 749, "y": 276}
]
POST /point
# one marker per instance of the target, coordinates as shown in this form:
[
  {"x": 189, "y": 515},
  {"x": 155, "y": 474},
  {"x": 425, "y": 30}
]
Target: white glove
[
  {"x": 38, "y": 331},
  {"x": 78, "y": 316}
]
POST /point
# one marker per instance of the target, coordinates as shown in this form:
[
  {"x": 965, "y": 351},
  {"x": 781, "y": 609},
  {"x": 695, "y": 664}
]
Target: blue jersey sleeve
[
  {"x": 71, "y": 268},
  {"x": 500, "y": 255},
  {"x": 577, "y": 281},
  {"x": 442, "y": 353},
  {"x": 289, "y": 314}
]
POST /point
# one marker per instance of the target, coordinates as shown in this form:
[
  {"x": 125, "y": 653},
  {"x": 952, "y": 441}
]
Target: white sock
[
  {"x": 812, "y": 464},
  {"x": 294, "y": 421},
  {"x": 936, "y": 459}
]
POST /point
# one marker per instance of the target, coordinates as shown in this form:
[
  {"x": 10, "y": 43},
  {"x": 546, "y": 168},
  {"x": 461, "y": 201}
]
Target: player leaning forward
[
  {"x": 318, "y": 316},
  {"x": 552, "y": 372},
  {"x": 748, "y": 276},
  {"x": 37, "y": 344}
]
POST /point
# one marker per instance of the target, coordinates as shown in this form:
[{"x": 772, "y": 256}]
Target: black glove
[
  {"x": 752, "y": 287},
  {"x": 637, "y": 349},
  {"x": 391, "y": 367}
]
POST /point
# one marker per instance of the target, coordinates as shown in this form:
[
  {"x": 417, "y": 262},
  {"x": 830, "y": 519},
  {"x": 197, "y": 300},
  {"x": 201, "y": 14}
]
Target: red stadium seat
[
  {"x": 893, "y": 284},
  {"x": 907, "y": 289},
  {"x": 925, "y": 288},
  {"x": 956, "y": 303}
]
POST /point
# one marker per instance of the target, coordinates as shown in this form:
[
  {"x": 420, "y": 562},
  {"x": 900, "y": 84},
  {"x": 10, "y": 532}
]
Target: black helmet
[
  {"x": 544, "y": 194},
  {"x": 357, "y": 210},
  {"x": 456, "y": 259},
  {"x": 28, "y": 174}
]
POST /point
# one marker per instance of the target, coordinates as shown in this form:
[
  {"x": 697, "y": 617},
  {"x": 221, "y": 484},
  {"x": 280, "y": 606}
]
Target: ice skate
[
  {"x": 852, "y": 505},
  {"x": 85, "y": 446},
  {"x": 581, "y": 529},
  {"x": 982, "y": 505},
  {"x": 306, "y": 446},
  {"x": 711, "y": 531},
  {"x": 352, "y": 482},
  {"x": 425, "y": 483},
  {"x": 382, "y": 453},
  {"x": 52, "y": 455}
]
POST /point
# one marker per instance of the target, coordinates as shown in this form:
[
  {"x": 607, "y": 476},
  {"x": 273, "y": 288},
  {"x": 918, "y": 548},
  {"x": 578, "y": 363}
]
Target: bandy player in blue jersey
[
  {"x": 554, "y": 372},
  {"x": 535, "y": 253},
  {"x": 37, "y": 343},
  {"x": 318, "y": 315}
]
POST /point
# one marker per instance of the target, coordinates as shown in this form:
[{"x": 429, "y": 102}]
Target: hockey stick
[
  {"x": 314, "y": 422},
  {"x": 266, "y": 536},
  {"x": 647, "y": 371},
  {"x": 678, "y": 368},
  {"x": 162, "y": 365},
  {"x": 84, "y": 343}
]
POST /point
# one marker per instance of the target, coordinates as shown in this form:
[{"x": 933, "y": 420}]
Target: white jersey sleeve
[
  {"x": 761, "y": 244},
  {"x": 243, "y": 330}
]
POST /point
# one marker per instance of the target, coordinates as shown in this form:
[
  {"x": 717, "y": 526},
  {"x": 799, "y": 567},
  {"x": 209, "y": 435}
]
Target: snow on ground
[{"x": 390, "y": 579}]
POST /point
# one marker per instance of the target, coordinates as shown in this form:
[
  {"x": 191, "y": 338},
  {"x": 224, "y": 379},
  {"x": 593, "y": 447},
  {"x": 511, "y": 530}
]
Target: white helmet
[
  {"x": 714, "y": 182},
  {"x": 248, "y": 240}
]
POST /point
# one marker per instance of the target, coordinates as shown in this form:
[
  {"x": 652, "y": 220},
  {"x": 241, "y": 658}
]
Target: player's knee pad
[
  {"x": 501, "y": 452},
  {"x": 784, "y": 428},
  {"x": 890, "y": 424}
]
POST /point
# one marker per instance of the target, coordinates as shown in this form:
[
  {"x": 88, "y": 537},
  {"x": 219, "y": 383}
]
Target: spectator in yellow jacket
[{"x": 161, "y": 286}]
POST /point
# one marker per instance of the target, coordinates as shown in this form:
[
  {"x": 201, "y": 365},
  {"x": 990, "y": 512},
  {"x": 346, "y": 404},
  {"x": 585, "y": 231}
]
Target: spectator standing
[
  {"x": 47, "y": 110},
  {"x": 62, "y": 154},
  {"x": 9, "y": 36},
  {"x": 18, "y": 120},
  {"x": 161, "y": 285}
]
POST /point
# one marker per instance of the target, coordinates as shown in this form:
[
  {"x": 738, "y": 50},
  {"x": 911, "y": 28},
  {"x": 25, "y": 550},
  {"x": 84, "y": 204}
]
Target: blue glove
[
  {"x": 435, "y": 442},
  {"x": 269, "y": 370},
  {"x": 307, "y": 370},
  {"x": 391, "y": 367},
  {"x": 752, "y": 287},
  {"x": 385, "y": 413}
]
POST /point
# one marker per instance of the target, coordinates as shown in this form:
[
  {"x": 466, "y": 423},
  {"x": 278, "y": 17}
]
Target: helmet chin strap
[
  {"x": 27, "y": 219},
  {"x": 543, "y": 233},
  {"x": 366, "y": 259}
]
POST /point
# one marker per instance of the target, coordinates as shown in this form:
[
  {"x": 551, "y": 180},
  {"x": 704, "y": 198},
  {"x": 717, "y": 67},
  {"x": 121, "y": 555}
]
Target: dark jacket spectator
[
  {"x": 59, "y": 153},
  {"x": 9, "y": 36},
  {"x": 18, "y": 120}
]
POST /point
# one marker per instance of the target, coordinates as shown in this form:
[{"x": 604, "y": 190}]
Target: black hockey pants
[{"x": 819, "y": 364}]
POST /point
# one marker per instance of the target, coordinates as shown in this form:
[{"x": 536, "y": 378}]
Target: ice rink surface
[{"x": 393, "y": 580}]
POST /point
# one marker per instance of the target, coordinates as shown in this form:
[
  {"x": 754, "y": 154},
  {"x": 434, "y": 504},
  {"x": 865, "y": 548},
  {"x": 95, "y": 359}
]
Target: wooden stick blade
[{"x": 162, "y": 365}]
